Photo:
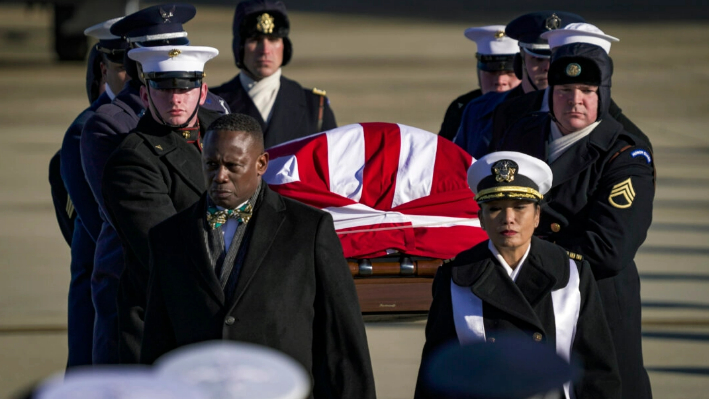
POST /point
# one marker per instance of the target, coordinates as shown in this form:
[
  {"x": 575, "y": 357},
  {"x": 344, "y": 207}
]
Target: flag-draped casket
[{"x": 391, "y": 189}]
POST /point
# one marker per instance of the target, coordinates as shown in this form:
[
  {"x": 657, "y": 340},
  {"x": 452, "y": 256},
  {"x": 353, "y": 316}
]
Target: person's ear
[
  {"x": 203, "y": 96},
  {"x": 104, "y": 71},
  {"x": 480, "y": 218},
  {"x": 144, "y": 96},
  {"x": 262, "y": 164},
  {"x": 537, "y": 215}
]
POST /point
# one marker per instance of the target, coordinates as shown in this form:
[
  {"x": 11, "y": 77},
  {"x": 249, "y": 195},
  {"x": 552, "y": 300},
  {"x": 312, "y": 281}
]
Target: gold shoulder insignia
[
  {"x": 622, "y": 194},
  {"x": 319, "y": 92},
  {"x": 574, "y": 256}
]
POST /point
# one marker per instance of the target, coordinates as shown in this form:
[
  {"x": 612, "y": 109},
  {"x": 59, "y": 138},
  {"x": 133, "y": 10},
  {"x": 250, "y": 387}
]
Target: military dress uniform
[
  {"x": 155, "y": 172},
  {"x": 495, "y": 52},
  {"x": 103, "y": 132},
  {"x": 476, "y": 127},
  {"x": 81, "y": 203},
  {"x": 548, "y": 299},
  {"x": 599, "y": 206},
  {"x": 510, "y": 112},
  {"x": 87, "y": 225},
  {"x": 296, "y": 112}
]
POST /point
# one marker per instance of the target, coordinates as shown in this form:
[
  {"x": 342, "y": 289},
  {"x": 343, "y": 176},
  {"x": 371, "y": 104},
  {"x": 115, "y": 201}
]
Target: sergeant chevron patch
[{"x": 622, "y": 195}]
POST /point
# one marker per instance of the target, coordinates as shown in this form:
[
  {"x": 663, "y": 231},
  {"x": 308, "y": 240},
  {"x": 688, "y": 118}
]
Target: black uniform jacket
[
  {"x": 153, "y": 174},
  {"x": 513, "y": 109},
  {"x": 600, "y": 206},
  {"x": 295, "y": 113},
  {"x": 294, "y": 293},
  {"x": 525, "y": 307},
  {"x": 454, "y": 114}
]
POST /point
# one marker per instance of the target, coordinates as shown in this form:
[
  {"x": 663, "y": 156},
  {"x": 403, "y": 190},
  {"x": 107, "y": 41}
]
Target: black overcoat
[
  {"x": 524, "y": 306},
  {"x": 153, "y": 174},
  {"x": 294, "y": 293},
  {"x": 607, "y": 167},
  {"x": 295, "y": 112}
]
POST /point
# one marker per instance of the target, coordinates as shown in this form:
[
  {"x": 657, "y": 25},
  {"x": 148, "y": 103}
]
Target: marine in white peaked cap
[
  {"x": 167, "y": 68},
  {"x": 495, "y": 70}
]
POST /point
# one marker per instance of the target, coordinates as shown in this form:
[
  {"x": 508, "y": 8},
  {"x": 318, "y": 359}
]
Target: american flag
[{"x": 389, "y": 187}]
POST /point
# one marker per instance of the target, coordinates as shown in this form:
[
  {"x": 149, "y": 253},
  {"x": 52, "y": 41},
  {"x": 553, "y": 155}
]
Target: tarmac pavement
[{"x": 374, "y": 69}]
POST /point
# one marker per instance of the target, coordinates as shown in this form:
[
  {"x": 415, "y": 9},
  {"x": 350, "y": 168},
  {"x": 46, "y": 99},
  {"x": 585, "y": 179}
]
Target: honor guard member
[
  {"x": 215, "y": 268},
  {"x": 109, "y": 58},
  {"x": 538, "y": 100},
  {"x": 156, "y": 171},
  {"x": 515, "y": 284},
  {"x": 495, "y": 55},
  {"x": 261, "y": 46},
  {"x": 600, "y": 203},
  {"x": 152, "y": 26},
  {"x": 530, "y": 65},
  {"x": 63, "y": 206}
]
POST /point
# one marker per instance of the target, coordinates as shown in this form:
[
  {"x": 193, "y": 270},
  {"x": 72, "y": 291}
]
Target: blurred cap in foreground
[{"x": 236, "y": 370}]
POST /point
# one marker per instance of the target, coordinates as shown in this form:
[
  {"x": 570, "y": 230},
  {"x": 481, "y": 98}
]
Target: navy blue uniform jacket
[{"x": 295, "y": 112}]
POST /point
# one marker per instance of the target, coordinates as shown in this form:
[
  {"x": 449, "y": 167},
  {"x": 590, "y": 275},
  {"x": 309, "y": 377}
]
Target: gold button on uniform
[
  {"x": 555, "y": 227},
  {"x": 491, "y": 339},
  {"x": 186, "y": 135},
  {"x": 537, "y": 337}
]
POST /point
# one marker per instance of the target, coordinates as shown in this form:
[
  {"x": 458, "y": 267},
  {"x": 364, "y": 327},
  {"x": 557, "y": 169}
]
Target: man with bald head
[{"x": 246, "y": 264}]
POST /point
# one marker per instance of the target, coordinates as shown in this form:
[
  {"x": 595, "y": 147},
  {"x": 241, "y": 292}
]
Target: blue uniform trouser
[{"x": 81, "y": 311}]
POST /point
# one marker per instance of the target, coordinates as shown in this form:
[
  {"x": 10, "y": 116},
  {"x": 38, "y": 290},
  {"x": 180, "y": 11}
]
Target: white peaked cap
[
  {"x": 236, "y": 370},
  {"x": 528, "y": 167},
  {"x": 173, "y": 58},
  {"x": 491, "y": 40},
  {"x": 102, "y": 31},
  {"x": 579, "y": 33},
  {"x": 114, "y": 382}
]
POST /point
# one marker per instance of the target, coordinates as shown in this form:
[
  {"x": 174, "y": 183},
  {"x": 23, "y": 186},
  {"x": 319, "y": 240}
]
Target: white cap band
[
  {"x": 491, "y": 40},
  {"x": 173, "y": 58},
  {"x": 579, "y": 33}
]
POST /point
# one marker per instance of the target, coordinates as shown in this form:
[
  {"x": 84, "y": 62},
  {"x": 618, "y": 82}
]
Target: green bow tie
[{"x": 216, "y": 218}]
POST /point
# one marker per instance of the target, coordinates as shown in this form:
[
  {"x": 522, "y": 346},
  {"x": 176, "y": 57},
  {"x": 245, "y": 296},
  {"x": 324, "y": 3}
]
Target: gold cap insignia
[
  {"x": 499, "y": 34},
  {"x": 505, "y": 170},
  {"x": 573, "y": 70},
  {"x": 174, "y": 53},
  {"x": 264, "y": 23},
  {"x": 553, "y": 22},
  {"x": 624, "y": 193}
]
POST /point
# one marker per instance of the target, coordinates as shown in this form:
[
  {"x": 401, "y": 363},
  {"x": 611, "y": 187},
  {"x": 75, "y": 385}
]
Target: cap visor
[{"x": 175, "y": 83}]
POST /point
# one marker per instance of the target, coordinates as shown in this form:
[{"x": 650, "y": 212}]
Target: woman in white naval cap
[
  {"x": 495, "y": 69},
  {"x": 517, "y": 284}
]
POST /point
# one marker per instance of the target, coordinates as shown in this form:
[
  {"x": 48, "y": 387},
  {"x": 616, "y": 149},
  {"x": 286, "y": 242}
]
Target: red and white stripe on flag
[{"x": 389, "y": 187}]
